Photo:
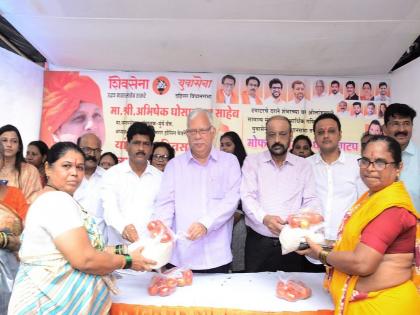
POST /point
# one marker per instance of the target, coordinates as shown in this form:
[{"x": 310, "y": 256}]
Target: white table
[{"x": 255, "y": 292}]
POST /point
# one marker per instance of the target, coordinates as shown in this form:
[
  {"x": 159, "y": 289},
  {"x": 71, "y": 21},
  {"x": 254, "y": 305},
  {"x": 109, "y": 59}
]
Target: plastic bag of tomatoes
[
  {"x": 157, "y": 242},
  {"x": 306, "y": 223},
  {"x": 292, "y": 290},
  {"x": 183, "y": 276},
  {"x": 162, "y": 285}
]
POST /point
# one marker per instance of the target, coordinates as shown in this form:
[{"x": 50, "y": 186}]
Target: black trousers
[
  {"x": 263, "y": 253},
  {"x": 220, "y": 269}
]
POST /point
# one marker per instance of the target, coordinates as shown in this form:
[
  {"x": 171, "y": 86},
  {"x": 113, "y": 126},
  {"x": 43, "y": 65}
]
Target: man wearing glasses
[
  {"x": 275, "y": 183},
  {"x": 198, "y": 197},
  {"x": 88, "y": 193},
  {"x": 130, "y": 188},
  {"x": 398, "y": 124}
]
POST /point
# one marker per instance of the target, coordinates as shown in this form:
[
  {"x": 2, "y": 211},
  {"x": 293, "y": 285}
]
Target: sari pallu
[
  {"x": 341, "y": 285},
  {"x": 49, "y": 284}
]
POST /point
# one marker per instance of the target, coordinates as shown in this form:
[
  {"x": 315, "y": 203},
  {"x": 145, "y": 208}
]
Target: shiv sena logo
[{"x": 161, "y": 85}]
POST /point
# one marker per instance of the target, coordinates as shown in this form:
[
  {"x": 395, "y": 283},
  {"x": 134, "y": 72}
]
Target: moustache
[
  {"x": 401, "y": 133},
  {"x": 140, "y": 153},
  {"x": 277, "y": 145},
  {"x": 91, "y": 158}
]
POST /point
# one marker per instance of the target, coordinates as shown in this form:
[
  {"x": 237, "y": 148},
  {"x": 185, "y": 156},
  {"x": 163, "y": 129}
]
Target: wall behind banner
[
  {"x": 73, "y": 105},
  {"x": 21, "y": 84},
  {"x": 405, "y": 82}
]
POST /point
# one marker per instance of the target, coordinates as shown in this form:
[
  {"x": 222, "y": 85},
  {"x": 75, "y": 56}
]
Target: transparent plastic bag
[
  {"x": 183, "y": 276},
  {"x": 162, "y": 285},
  {"x": 290, "y": 289},
  {"x": 306, "y": 223}
]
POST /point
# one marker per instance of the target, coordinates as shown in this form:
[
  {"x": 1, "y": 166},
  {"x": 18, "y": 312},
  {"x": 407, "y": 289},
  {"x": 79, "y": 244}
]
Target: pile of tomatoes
[
  {"x": 292, "y": 290},
  {"x": 166, "y": 283},
  {"x": 304, "y": 220}
]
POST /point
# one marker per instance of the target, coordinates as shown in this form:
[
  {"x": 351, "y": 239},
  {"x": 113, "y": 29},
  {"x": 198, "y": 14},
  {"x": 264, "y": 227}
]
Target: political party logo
[{"x": 161, "y": 85}]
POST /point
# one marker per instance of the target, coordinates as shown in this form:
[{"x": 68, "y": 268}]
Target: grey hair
[{"x": 195, "y": 112}]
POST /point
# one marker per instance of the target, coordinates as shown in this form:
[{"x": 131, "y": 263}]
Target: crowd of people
[{"x": 85, "y": 208}]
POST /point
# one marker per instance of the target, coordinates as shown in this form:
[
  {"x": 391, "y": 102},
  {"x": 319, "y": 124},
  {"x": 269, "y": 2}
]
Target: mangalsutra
[{"x": 55, "y": 188}]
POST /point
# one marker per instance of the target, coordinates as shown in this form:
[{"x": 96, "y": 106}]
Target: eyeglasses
[
  {"x": 88, "y": 150},
  {"x": 160, "y": 157},
  {"x": 378, "y": 164},
  {"x": 201, "y": 131}
]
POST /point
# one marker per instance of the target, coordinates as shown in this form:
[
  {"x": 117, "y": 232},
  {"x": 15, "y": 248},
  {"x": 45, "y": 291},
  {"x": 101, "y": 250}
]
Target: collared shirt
[
  {"x": 338, "y": 186},
  {"x": 410, "y": 174},
  {"x": 227, "y": 98},
  {"x": 209, "y": 194},
  {"x": 128, "y": 198},
  {"x": 269, "y": 189},
  {"x": 274, "y": 101},
  {"x": 382, "y": 98},
  {"x": 88, "y": 195}
]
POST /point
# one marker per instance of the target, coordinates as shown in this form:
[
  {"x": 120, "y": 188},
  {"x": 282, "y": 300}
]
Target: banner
[{"x": 107, "y": 103}]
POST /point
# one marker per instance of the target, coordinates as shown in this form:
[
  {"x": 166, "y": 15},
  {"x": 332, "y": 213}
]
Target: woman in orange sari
[
  {"x": 370, "y": 266},
  {"x": 13, "y": 208},
  {"x": 15, "y": 170}
]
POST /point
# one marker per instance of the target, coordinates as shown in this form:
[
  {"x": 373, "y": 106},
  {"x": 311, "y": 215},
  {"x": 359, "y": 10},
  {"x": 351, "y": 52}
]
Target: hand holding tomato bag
[
  {"x": 157, "y": 241},
  {"x": 306, "y": 223},
  {"x": 291, "y": 289}
]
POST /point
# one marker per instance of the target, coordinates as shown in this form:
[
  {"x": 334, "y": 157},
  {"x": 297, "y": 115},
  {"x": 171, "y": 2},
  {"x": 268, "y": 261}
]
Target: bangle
[
  {"x": 128, "y": 262},
  {"x": 121, "y": 249},
  {"x": 2, "y": 239},
  {"x": 323, "y": 254},
  {"x": 5, "y": 239}
]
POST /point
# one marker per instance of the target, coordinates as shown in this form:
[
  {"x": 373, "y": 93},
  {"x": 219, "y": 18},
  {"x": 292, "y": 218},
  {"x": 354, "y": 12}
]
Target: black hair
[
  {"x": 228, "y": 76},
  {"x": 327, "y": 116},
  {"x": 59, "y": 149},
  {"x": 239, "y": 151},
  {"x": 252, "y": 78},
  {"x": 357, "y": 103},
  {"x": 351, "y": 83},
  {"x": 392, "y": 145},
  {"x": 275, "y": 81},
  {"x": 305, "y": 138},
  {"x": 374, "y": 122},
  {"x": 112, "y": 155},
  {"x": 368, "y": 83},
  {"x": 19, "y": 154},
  {"x": 383, "y": 83},
  {"x": 399, "y": 109},
  {"x": 171, "y": 150},
  {"x": 335, "y": 82},
  {"x": 41, "y": 145},
  {"x": 141, "y": 128}
]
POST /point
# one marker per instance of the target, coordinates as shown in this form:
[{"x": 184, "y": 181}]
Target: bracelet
[
  {"x": 4, "y": 239},
  {"x": 121, "y": 249},
  {"x": 128, "y": 262},
  {"x": 323, "y": 254}
]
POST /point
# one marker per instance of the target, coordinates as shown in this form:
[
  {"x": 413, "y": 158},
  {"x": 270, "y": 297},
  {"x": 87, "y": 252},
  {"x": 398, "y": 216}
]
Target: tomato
[
  {"x": 304, "y": 223},
  {"x": 181, "y": 282},
  {"x": 294, "y": 222},
  {"x": 315, "y": 218},
  {"x": 171, "y": 282},
  {"x": 165, "y": 291},
  {"x": 153, "y": 290},
  {"x": 166, "y": 237}
]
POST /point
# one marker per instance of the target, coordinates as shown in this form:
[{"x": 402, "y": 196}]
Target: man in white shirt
[
  {"x": 299, "y": 101},
  {"x": 88, "y": 193},
  {"x": 357, "y": 110},
  {"x": 337, "y": 178},
  {"x": 383, "y": 93},
  {"x": 335, "y": 95},
  {"x": 398, "y": 124},
  {"x": 130, "y": 188},
  {"x": 342, "y": 109}
]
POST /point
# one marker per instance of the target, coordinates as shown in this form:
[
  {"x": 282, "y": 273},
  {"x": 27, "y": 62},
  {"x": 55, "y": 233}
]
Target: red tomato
[
  {"x": 166, "y": 237},
  {"x": 153, "y": 290},
  {"x": 181, "y": 282},
  {"x": 294, "y": 222},
  {"x": 165, "y": 291}
]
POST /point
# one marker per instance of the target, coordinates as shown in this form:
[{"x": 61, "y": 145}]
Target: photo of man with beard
[
  {"x": 88, "y": 194},
  {"x": 275, "y": 183}
]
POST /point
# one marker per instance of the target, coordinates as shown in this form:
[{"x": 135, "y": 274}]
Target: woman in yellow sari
[{"x": 370, "y": 266}]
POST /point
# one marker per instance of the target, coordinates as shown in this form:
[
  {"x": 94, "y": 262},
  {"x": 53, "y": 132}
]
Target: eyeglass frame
[
  {"x": 89, "y": 150},
  {"x": 160, "y": 157},
  {"x": 201, "y": 131},
  {"x": 360, "y": 160}
]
